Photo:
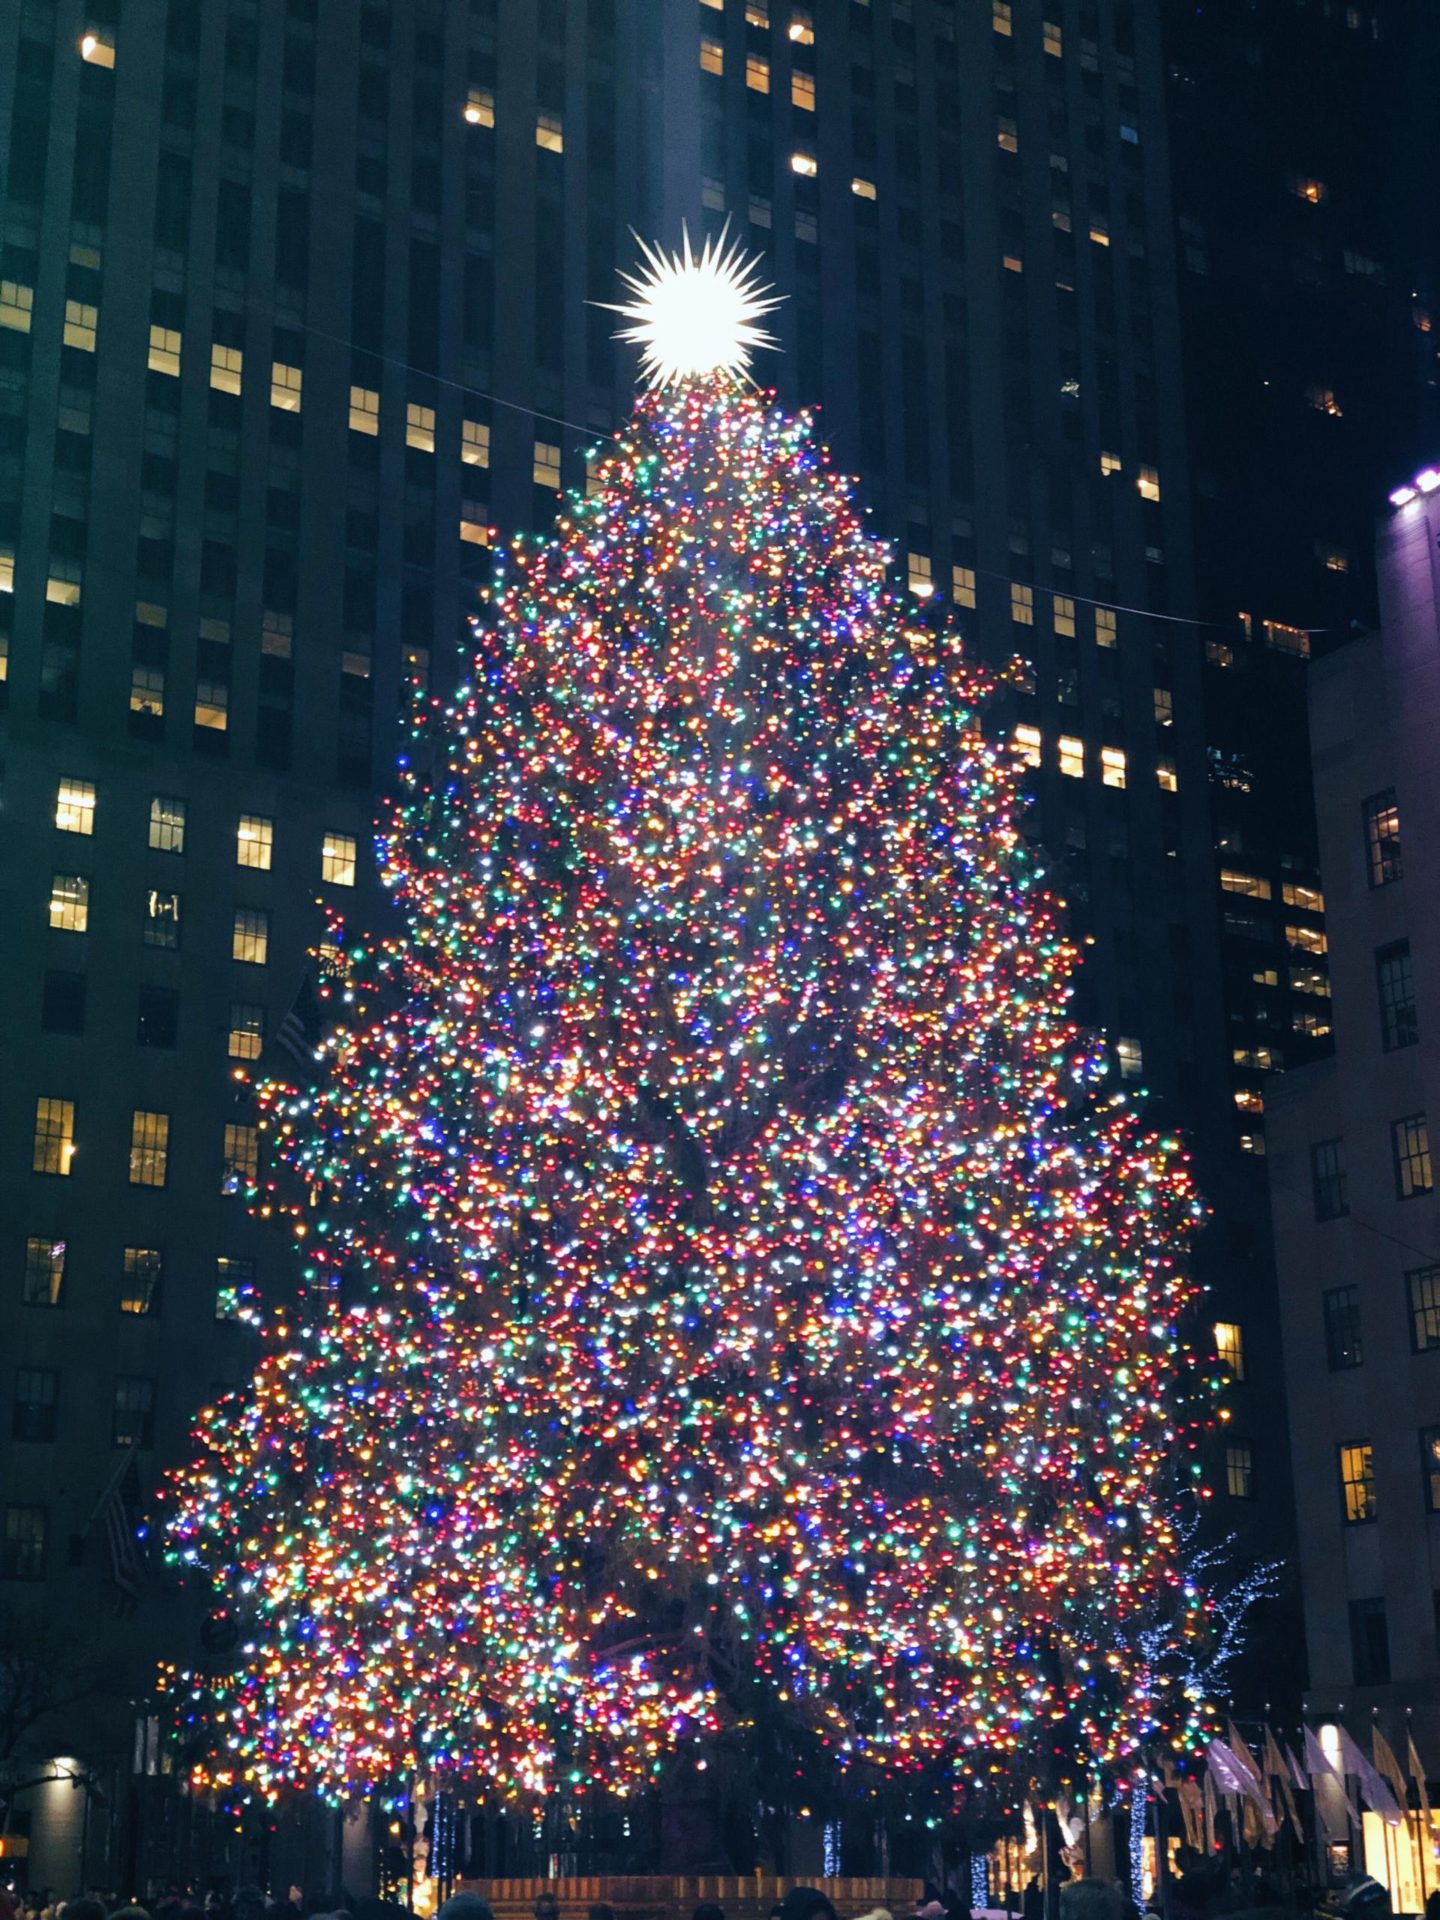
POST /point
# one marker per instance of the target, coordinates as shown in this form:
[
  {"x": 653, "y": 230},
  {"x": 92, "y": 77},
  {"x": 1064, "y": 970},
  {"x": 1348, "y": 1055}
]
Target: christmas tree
[{"x": 737, "y": 1292}]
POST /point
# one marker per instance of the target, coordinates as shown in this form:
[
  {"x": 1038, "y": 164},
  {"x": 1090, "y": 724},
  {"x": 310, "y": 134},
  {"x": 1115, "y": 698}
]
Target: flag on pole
[
  {"x": 1322, "y": 1773},
  {"x": 298, "y": 1034},
  {"x": 121, "y": 1513},
  {"x": 1275, "y": 1769},
  {"x": 1371, "y": 1785},
  {"x": 1389, "y": 1767},
  {"x": 1233, "y": 1776},
  {"x": 1417, "y": 1774},
  {"x": 1297, "y": 1773}
]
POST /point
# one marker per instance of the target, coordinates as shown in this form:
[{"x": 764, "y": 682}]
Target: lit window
[
  {"x": 1239, "y": 1470},
  {"x": 254, "y": 841},
  {"x": 475, "y": 533},
  {"x": 44, "y": 1280},
  {"x": 164, "y": 354},
  {"x": 1410, "y": 1143},
  {"x": 547, "y": 464},
  {"x": 1395, "y": 980},
  {"x": 1323, "y": 400},
  {"x": 75, "y": 806},
  {"x": 337, "y": 859},
  {"x": 167, "y": 824},
  {"x": 804, "y": 163},
  {"x": 286, "y": 384},
  {"x": 1105, "y": 631},
  {"x": 80, "y": 324},
  {"x": 147, "y": 690},
  {"x": 7, "y": 569},
  {"x": 712, "y": 55},
  {"x": 420, "y": 428},
  {"x": 1149, "y": 483},
  {"x": 1328, "y": 1179},
  {"x": 241, "y": 1157},
  {"x": 234, "y": 1286},
  {"x": 161, "y": 924},
  {"x": 1022, "y": 605},
  {"x": 802, "y": 91},
  {"x": 1012, "y": 263},
  {"x": 757, "y": 13},
  {"x": 1064, "y": 614},
  {"x": 594, "y": 473},
  {"x": 227, "y": 364},
  {"x": 1333, "y": 559},
  {"x": 70, "y": 902},
  {"x": 53, "y": 1148},
  {"x": 1027, "y": 739},
  {"x": 862, "y": 189},
  {"x": 1306, "y": 939},
  {"x": 1381, "y": 815},
  {"x": 1072, "y": 756},
  {"x": 1166, "y": 775},
  {"x": 1054, "y": 39},
  {"x": 22, "y": 1548},
  {"x": 97, "y": 51},
  {"x": 1002, "y": 16},
  {"x": 247, "y": 1031},
  {"x": 1164, "y": 707},
  {"x": 17, "y": 305},
  {"x": 212, "y": 705},
  {"x": 1422, "y": 1286},
  {"x": 1357, "y": 1482},
  {"x": 1007, "y": 135},
  {"x": 133, "y": 1424},
  {"x": 919, "y": 575},
  {"x": 149, "y": 1148},
  {"x": 1343, "y": 1345},
  {"x": 480, "y": 107},
  {"x": 1112, "y": 766},
  {"x": 549, "y": 133},
  {"x": 1109, "y": 462},
  {"x": 1230, "y": 1347},
  {"x": 250, "y": 936},
  {"x": 1253, "y": 885},
  {"x": 1129, "y": 1056},
  {"x": 1305, "y": 187},
  {"x": 475, "y": 443},
  {"x": 802, "y": 28},
  {"x": 962, "y": 586},
  {"x": 715, "y": 6},
  {"x": 364, "y": 410},
  {"x": 1100, "y": 235},
  {"x": 140, "y": 1280},
  {"x": 1296, "y": 894},
  {"x": 1430, "y": 1466}
]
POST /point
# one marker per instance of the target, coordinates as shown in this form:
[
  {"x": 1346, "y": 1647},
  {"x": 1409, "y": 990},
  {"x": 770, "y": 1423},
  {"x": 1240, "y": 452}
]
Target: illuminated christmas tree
[{"x": 732, "y": 1276}]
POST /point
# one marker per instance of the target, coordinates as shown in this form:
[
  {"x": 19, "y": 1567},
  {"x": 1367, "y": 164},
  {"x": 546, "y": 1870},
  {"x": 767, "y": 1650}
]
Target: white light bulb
[{"x": 695, "y": 314}]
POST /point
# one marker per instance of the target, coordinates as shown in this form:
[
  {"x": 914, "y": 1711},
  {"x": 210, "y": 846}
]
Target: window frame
[
  {"x": 1384, "y": 857},
  {"x": 1411, "y": 1153},
  {"x": 1336, "y": 1178},
  {"x": 1363, "y": 1484},
  {"x": 1330, "y": 1320}
]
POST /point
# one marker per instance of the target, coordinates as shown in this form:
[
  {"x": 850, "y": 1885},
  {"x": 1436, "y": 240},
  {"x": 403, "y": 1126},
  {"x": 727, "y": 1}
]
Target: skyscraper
[{"x": 297, "y": 308}]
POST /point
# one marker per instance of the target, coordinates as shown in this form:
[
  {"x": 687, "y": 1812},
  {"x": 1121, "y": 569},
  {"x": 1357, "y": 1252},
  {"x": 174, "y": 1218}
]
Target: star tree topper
[{"x": 696, "y": 314}]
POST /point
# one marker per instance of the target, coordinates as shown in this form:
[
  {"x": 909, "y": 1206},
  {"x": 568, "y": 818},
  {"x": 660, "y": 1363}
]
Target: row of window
[
  {"x": 161, "y": 918},
  {"x": 54, "y": 1147},
  {"x": 141, "y": 1278},
  {"x": 1358, "y": 1500},
  {"x": 157, "y": 1015},
  {"x": 1344, "y": 1346},
  {"x": 1070, "y": 758},
  {"x": 75, "y": 810},
  {"x": 36, "y": 1409},
  {"x": 1410, "y": 1155}
]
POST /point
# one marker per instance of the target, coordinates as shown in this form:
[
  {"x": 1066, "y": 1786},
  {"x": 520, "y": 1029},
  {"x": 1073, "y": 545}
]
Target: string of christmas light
[{"x": 729, "y": 1266}]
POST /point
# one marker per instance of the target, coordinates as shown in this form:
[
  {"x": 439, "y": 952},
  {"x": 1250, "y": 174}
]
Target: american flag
[
  {"x": 121, "y": 1511},
  {"x": 299, "y": 1032}
]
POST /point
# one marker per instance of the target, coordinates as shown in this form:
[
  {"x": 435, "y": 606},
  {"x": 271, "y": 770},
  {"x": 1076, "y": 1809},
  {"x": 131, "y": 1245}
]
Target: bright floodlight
[
  {"x": 695, "y": 314},
  {"x": 1428, "y": 481},
  {"x": 1402, "y": 496}
]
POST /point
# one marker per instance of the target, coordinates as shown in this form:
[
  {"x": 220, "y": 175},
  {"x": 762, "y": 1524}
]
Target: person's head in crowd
[
  {"x": 806, "y": 1903},
  {"x": 1091, "y": 1899},
  {"x": 465, "y": 1906},
  {"x": 602, "y": 1910},
  {"x": 707, "y": 1910}
]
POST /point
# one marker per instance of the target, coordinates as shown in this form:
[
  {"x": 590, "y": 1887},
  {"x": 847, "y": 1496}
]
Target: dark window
[
  {"x": 1327, "y": 1171},
  {"x": 158, "y": 1022},
  {"x": 134, "y": 1411},
  {"x": 1395, "y": 983},
  {"x": 1342, "y": 1329},
  {"x": 62, "y": 1002},
  {"x": 1382, "y": 838},
  {"x": 1369, "y": 1643},
  {"x": 1357, "y": 1481},
  {"x": 36, "y": 1390},
  {"x": 162, "y": 919},
  {"x": 22, "y": 1551},
  {"x": 1410, "y": 1142},
  {"x": 1423, "y": 1286},
  {"x": 234, "y": 1286}
]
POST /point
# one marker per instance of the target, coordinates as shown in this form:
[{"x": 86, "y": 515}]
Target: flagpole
[{"x": 1420, "y": 1812}]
